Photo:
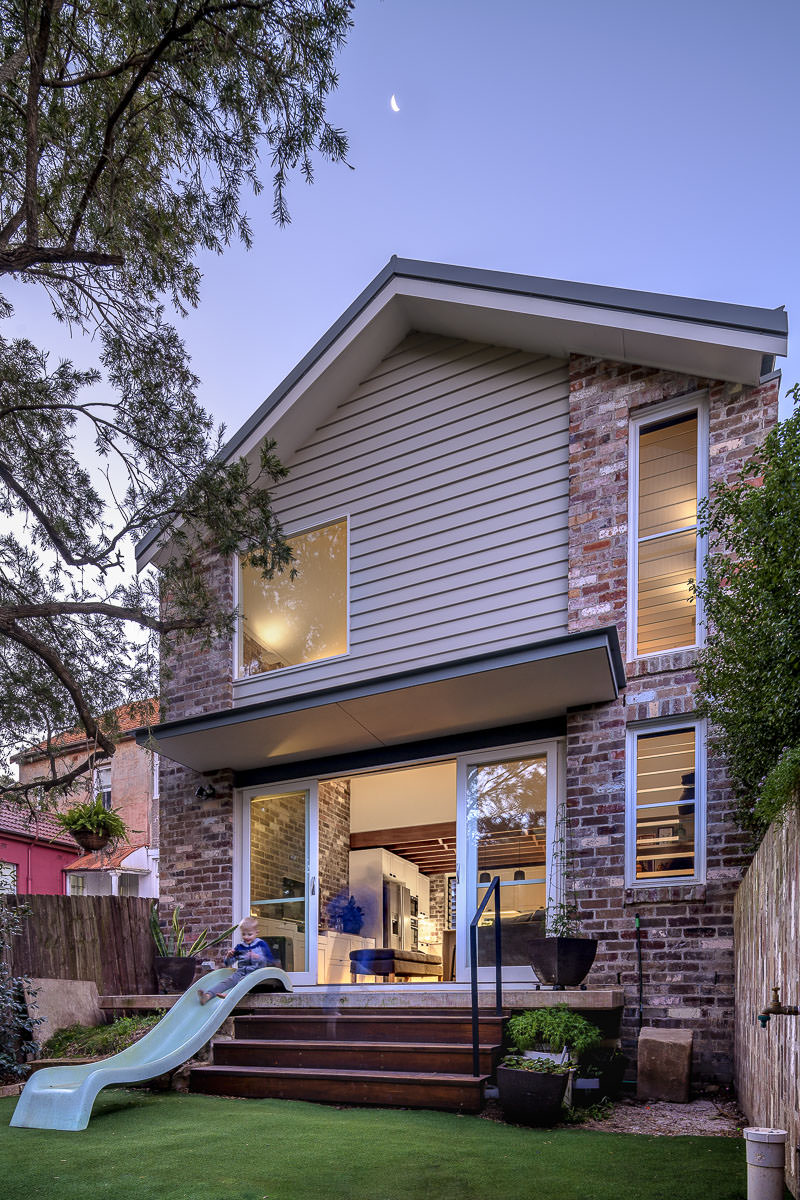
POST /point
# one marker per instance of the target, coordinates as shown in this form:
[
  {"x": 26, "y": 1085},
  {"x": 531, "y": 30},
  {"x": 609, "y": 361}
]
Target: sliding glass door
[
  {"x": 278, "y": 882},
  {"x": 508, "y": 804}
]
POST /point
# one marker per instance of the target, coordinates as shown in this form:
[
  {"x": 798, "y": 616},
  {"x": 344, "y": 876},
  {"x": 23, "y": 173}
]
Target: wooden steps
[{"x": 414, "y": 1059}]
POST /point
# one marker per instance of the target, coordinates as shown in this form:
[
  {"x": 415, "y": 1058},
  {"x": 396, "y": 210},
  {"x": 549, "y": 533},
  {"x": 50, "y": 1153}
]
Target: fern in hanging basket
[{"x": 92, "y": 825}]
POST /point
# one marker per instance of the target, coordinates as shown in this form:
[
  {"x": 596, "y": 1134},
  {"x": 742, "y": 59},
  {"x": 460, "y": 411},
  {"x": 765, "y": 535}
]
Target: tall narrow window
[
  {"x": 102, "y": 783},
  {"x": 666, "y": 533},
  {"x": 666, "y": 804},
  {"x": 288, "y": 621}
]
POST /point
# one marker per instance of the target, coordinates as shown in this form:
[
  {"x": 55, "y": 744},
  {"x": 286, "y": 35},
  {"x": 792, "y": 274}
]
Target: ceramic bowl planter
[
  {"x": 563, "y": 961},
  {"x": 530, "y": 1096}
]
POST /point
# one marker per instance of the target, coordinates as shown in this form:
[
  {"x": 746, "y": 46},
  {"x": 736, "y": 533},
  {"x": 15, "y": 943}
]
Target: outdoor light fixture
[{"x": 206, "y": 793}]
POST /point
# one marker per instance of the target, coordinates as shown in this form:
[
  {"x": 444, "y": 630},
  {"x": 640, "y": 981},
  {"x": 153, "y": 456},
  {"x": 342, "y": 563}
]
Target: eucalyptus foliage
[
  {"x": 749, "y": 670},
  {"x": 129, "y": 131}
]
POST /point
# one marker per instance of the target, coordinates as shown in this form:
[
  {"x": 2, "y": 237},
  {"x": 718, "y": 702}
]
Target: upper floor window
[
  {"x": 286, "y": 622},
  {"x": 668, "y": 453},
  {"x": 666, "y": 804},
  {"x": 102, "y": 785}
]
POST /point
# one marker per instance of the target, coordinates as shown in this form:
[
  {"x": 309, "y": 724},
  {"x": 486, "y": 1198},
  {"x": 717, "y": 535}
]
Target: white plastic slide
[{"x": 62, "y": 1097}]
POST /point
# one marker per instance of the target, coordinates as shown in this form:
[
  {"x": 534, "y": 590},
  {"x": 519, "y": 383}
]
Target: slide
[{"x": 62, "y": 1097}]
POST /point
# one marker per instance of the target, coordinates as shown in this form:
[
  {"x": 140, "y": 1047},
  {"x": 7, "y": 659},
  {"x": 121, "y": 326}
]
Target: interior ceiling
[{"x": 432, "y": 848}]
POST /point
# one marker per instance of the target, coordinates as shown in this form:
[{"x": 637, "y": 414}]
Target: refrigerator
[{"x": 397, "y": 931}]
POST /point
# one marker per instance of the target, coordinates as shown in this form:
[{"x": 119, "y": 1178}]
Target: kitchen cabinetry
[
  {"x": 334, "y": 955},
  {"x": 368, "y": 869}
]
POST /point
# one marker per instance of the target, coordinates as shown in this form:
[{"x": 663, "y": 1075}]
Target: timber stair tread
[
  {"x": 413, "y": 1059},
  {"x": 333, "y": 1073}
]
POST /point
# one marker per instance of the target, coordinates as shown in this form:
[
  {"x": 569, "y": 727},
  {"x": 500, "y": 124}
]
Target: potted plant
[
  {"x": 532, "y": 1089},
  {"x": 563, "y": 958},
  {"x": 92, "y": 825},
  {"x": 545, "y": 1042},
  {"x": 176, "y": 963}
]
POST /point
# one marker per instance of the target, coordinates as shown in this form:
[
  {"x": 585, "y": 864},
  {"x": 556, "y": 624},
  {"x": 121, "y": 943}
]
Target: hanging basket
[{"x": 91, "y": 842}]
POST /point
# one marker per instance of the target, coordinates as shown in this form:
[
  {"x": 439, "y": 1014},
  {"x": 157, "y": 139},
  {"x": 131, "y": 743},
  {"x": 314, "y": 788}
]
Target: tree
[
  {"x": 749, "y": 671},
  {"x": 128, "y": 133}
]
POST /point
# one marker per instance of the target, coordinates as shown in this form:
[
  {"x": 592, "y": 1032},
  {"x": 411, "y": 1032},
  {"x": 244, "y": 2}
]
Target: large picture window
[
  {"x": 666, "y": 804},
  {"x": 286, "y": 622},
  {"x": 668, "y": 480}
]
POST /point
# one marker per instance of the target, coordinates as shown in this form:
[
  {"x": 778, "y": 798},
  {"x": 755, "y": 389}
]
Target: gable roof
[
  {"x": 128, "y": 717},
  {"x": 703, "y": 338}
]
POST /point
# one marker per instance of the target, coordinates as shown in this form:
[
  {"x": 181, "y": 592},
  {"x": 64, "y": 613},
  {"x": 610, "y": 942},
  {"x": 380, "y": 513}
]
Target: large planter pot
[
  {"x": 174, "y": 974},
  {"x": 563, "y": 961},
  {"x": 530, "y": 1097},
  {"x": 91, "y": 842}
]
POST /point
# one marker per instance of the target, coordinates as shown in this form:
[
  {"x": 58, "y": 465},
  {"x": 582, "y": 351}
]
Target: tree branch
[
  {"x": 29, "y": 254},
  {"x": 23, "y": 637},
  {"x": 56, "y": 608}
]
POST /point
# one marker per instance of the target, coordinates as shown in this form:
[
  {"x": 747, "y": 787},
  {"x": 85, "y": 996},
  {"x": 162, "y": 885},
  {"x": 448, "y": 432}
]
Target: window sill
[{"x": 665, "y": 893}]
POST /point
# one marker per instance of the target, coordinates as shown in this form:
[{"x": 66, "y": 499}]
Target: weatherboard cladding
[{"x": 451, "y": 461}]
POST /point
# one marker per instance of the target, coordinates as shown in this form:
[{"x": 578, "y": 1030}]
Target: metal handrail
[{"x": 494, "y": 886}]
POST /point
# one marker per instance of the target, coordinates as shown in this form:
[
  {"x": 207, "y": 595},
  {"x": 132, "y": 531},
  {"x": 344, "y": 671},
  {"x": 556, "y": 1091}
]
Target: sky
[{"x": 648, "y": 144}]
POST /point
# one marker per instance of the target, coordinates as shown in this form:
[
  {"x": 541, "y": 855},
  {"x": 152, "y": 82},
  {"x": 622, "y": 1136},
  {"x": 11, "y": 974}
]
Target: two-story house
[
  {"x": 492, "y": 503},
  {"x": 128, "y": 783}
]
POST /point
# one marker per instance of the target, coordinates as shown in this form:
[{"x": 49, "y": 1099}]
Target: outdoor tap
[{"x": 776, "y": 1009}]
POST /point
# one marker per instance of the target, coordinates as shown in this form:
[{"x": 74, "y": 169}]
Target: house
[
  {"x": 35, "y": 853},
  {"x": 485, "y": 664},
  {"x": 127, "y": 783}
]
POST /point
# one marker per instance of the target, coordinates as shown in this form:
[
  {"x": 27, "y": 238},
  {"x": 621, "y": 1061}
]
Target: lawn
[{"x": 169, "y": 1147}]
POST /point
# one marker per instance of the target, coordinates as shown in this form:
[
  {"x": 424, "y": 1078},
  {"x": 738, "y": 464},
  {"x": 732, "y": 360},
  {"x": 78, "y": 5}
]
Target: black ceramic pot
[
  {"x": 174, "y": 974},
  {"x": 562, "y": 961},
  {"x": 530, "y": 1097}
]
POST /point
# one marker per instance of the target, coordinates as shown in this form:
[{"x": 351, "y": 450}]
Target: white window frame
[
  {"x": 684, "y": 407},
  {"x": 98, "y": 788},
  {"x": 632, "y": 735},
  {"x": 297, "y": 531}
]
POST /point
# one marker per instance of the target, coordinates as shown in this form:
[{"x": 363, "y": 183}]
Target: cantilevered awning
[{"x": 505, "y": 688}]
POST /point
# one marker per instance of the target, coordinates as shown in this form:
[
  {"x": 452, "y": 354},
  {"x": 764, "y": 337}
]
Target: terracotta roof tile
[
  {"x": 129, "y": 717},
  {"x": 41, "y": 827},
  {"x": 102, "y": 860}
]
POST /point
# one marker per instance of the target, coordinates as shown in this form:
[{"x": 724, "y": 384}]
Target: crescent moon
[{"x": 394, "y": 105}]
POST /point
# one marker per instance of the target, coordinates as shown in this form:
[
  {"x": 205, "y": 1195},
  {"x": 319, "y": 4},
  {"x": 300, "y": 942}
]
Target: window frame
[
  {"x": 632, "y": 735},
  {"x": 686, "y": 406},
  {"x": 296, "y": 531},
  {"x": 108, "y": 802}
]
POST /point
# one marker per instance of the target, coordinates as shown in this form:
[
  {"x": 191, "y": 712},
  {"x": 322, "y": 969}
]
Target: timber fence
[
  {"x": 767, "y": 953},
  {"x": 104, "y": 938}
]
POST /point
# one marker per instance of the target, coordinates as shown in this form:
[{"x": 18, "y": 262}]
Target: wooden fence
[
  {"x": 104, "y": 938},
  {"x": 767, "y": 952}
]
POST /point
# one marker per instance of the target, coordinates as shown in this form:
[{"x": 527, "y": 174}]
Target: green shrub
[
  {"x": 94, "y": 817},
  {"x": 553, "y": 1028},
  {"x": 542, "y": 1066},
  {"x": 780, "y": 791},
  {"x": 17, "y": 1043}
]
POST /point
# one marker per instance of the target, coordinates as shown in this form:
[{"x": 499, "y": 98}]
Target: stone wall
[
  {"x": 767, "y": 953},
  {"x": 687, "y": 931}
]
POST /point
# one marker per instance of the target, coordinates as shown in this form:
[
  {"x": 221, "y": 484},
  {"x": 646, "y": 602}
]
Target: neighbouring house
[
  {"x": 127, "y": 783},
  {"x": 486, "y": 658},
  {"x": 35, "y": 853}
]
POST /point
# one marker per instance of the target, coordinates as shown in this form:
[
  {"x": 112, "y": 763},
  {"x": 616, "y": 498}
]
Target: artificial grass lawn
[{"x": 171, "y": 1147}]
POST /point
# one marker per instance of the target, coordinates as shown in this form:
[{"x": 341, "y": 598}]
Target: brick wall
[
  {"x": 198, "y": 678},
  {"x": 196, "y": 848},
  {"x": 687, "y": 931},
  {"x": 334, "y": 844}
]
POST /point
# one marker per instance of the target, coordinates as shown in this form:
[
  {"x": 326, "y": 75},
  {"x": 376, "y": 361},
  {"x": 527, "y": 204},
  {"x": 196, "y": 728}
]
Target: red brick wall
[
  {"x": 199, "y": 678},
  {"x": 687, "y": 932},
  {"x": 334, "y": 844}
]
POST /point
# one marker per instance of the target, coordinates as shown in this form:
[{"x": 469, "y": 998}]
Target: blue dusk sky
[{"x": 648, "y": 144}]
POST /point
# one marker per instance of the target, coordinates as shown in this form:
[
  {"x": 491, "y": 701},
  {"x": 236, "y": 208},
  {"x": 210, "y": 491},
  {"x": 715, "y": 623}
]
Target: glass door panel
[
  {"x": 281, "y": 884},
  {"x": 509, "y": 811}
]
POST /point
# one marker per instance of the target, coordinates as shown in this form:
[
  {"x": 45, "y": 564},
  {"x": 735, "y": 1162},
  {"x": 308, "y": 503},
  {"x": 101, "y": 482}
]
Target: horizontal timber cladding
[{"x": 451, "y": 461}]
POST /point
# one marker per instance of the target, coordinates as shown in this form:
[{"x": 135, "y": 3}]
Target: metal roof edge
[{"x": 606, "y": 636}]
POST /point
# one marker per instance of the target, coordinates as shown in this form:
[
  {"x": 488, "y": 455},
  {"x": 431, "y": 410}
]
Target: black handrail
[{"x": 494, "y": 886}]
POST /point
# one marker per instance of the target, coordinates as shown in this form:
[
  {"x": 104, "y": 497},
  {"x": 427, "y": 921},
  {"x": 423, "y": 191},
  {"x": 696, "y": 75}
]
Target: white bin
[{"x": 766, "y": 1150}]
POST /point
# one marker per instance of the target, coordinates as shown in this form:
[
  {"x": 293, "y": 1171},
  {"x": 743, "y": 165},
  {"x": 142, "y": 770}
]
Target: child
[{"x": 250, "y": 954}]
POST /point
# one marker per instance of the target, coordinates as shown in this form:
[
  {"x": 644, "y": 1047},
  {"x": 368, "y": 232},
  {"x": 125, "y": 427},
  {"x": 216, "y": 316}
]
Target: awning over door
[{"x": 505, "y": 688}]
